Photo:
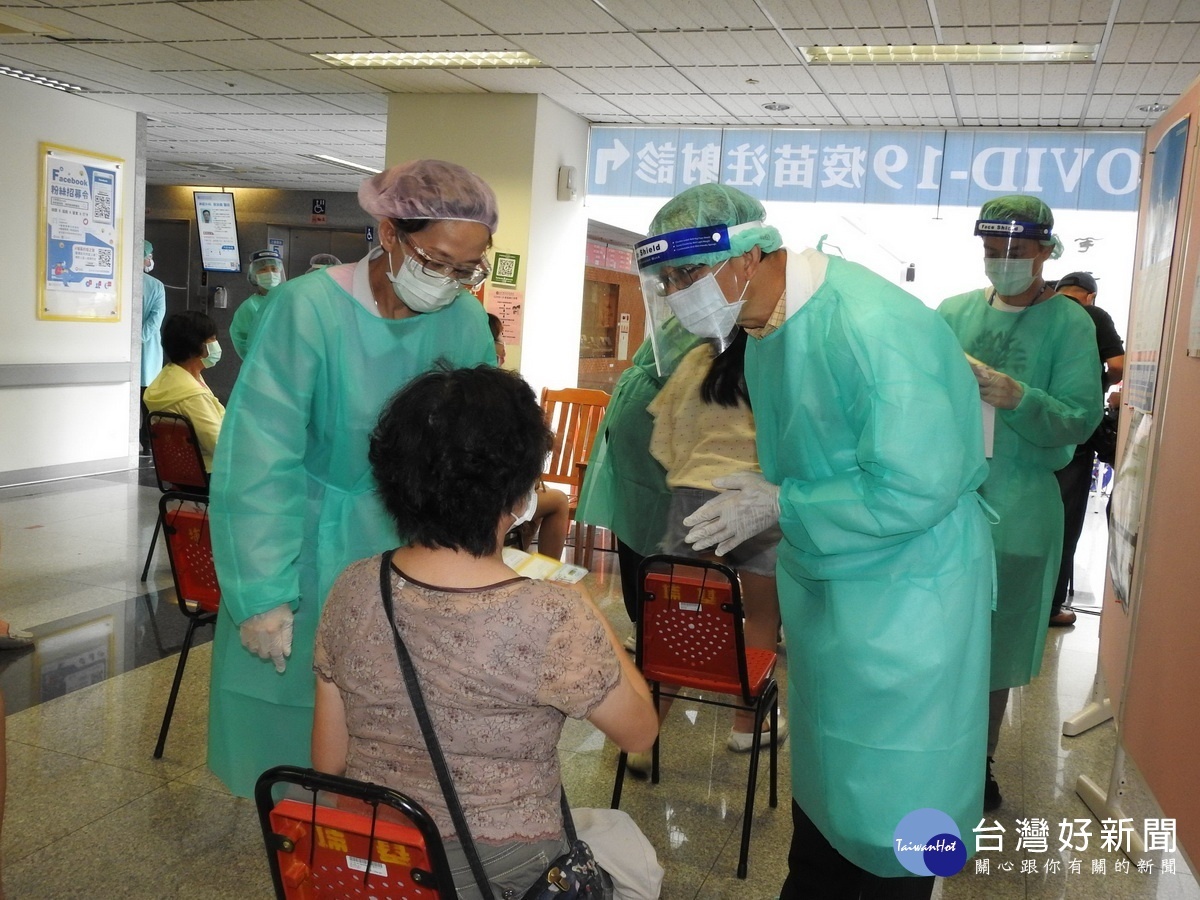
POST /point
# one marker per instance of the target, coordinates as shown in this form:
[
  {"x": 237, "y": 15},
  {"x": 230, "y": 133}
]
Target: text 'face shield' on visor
[
  {"x": 681, "y": 263},
  {"x": 1009, "y": 250}
]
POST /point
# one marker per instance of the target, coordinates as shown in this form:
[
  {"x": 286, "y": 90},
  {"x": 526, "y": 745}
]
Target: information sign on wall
[
  {"x": 79, "y": 235},
  {"x": 1067, "y": 169}
]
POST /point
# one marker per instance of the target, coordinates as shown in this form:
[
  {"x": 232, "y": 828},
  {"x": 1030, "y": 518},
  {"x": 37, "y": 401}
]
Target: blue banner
[{"x": 1067, "y": 169}]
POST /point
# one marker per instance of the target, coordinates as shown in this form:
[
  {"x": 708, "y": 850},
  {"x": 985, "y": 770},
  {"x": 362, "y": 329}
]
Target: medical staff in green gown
[
  {"x": 1034, "y": 356},
  {"x": 625, "y": 488},
  {"x": 871, "y": 446},
  {"x": 266, "y": 273},
  {"x": 293, "y": 500}
]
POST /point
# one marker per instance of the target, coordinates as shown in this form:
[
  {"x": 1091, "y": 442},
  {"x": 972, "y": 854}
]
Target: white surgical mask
[
  {"x": 148, "y": 265},
  {"x": 419, "y": 291},
  {"x": 1010, "y": 277},
  {"x": 214, "y": 355},
  {"x": 527, "y": 513},
  {"x": 267, "y": 280},
  {"x": 702, "y": 309}
]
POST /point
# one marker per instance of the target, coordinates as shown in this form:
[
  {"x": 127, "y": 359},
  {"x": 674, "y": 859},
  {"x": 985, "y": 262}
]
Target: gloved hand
[
  {"x": 268, "y": 635},
  {"x": 995, "y": 387},
  {"x": 747, "y": 505}
]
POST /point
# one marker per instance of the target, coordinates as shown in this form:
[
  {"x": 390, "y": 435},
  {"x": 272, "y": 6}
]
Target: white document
[{"x": 989, "y": 428}]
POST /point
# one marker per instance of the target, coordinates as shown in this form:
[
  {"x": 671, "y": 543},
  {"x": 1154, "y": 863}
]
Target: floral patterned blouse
[{"x": 500, "y": 668}]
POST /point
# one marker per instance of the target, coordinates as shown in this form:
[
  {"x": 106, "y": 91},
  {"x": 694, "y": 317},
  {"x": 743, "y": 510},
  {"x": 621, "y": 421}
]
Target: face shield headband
[
  {"x": 672, "y": 263},
  {"x": 1012, "y": 228}
]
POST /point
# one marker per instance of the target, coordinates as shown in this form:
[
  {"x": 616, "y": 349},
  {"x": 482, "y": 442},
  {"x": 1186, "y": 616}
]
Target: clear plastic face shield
[
  {"x": 1012, "y": 253},
  {"x": 681, "y": 293}
]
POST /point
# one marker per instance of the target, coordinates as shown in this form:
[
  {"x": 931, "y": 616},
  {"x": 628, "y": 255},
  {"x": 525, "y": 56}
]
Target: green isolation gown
[
  {"x": 245, "y": 321},
  {"x": 868, "y": 419},
  {"x": 293, "y": 499},
  {"x": 1050, "y": 348},
  {"x": 625, "y": 488}
]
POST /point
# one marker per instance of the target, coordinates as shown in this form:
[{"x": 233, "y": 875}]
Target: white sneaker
[
  {"x": 742, "y": 741},
  {"x": 631, "y": 643}
]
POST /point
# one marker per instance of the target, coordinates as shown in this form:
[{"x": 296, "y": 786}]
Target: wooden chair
[
  {"x": 690, "y": 637},
  {"x": 184, "y": 520},
  {"x": 178, "y": 463},
  {"x": 574, "y": 415},
  {"x": 333, "y": 837}
]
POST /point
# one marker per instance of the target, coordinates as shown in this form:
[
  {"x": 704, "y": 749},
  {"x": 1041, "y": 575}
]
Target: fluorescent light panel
[
  {"x": 950, "y": 53},
  {"x": 344, "y": 163},
  {"x": 461, "y": 59},
  {"x": 39, "y": 79}
]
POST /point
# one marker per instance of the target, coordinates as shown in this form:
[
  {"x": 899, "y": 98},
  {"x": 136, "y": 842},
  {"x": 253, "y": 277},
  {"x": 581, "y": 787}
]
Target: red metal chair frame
[
  {"x": 690, "y": 637},
  {"x": 178, "y": 463},
  {"x": 184, "y": 518},
  {"x": 373, "y": 842}
]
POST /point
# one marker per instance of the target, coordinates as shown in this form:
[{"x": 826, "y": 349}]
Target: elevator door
[{"x": 305, "y": 243}]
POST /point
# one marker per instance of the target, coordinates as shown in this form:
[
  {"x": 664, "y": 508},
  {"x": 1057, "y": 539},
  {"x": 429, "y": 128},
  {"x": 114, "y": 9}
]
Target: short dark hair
[
  {"x": 453, "y": 451},
  {"x": 496, "y": 325},
  {"x": 184, "y": 335}
]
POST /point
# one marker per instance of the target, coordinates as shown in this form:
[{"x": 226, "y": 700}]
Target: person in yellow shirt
[{"x": 190, "y": 343}]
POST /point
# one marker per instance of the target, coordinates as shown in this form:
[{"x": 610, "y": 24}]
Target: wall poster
[{"x": 79, "y": 235}]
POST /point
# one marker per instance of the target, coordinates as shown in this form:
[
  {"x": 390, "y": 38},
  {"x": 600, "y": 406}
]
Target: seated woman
[
  {"x": 190, "y": 343},
  {"x": 502, "y": 660},
  {"x": 703, "y": 430}
]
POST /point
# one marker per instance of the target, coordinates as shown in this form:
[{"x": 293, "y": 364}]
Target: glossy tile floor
[{"x": 91, "y": 814}]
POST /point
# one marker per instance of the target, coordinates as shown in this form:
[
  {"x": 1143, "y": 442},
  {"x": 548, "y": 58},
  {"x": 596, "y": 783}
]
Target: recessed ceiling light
[
  {"x": 950, "y": 53},
  {"x": 1154, "y": 107},
  {"x": 774, "y": 106},
  {"x": 464, "y": 59},
  {"x": 39, "y": 79},
  {"x": 344, "y": 163}
]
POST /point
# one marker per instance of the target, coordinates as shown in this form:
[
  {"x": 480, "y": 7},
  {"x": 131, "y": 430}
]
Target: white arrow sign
[{"x": 610, "y": 160}]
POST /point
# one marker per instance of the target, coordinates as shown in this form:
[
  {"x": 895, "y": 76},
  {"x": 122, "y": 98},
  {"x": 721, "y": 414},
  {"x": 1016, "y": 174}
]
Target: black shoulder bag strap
[{"x": 435, "y": 749}]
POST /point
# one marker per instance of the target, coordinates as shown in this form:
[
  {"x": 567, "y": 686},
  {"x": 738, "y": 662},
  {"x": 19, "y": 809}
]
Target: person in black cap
[{"x": 1074, "y": 479}]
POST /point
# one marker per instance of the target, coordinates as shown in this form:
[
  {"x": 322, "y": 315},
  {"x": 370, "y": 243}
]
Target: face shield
[
  {"x": 679, "y": 287},
  {"x": 1012, "y": 252}
]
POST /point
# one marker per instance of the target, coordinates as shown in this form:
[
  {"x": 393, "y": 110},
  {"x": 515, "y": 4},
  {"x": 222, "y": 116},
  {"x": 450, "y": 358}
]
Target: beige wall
[{"x": 516, "y": 143}]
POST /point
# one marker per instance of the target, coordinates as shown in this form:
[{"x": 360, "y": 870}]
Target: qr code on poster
[
  {"x": 102, "y": 206},
  {"x": 506, "y": 267},
  {"x": 104, "y": 259}
]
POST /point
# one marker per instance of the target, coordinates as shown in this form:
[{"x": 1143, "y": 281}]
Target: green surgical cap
[
  {"x": 1023, "y": 208},
  {"x": 149, "y": 249},
  {"x": 717, "y": 204}
]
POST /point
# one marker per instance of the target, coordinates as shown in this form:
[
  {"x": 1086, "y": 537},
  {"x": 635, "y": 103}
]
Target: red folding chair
[
  {"x": 178, "y": 463},
  {"x": 333, "y": 837},
  {"x": 184, "y": 518},
  {"x": 690, "y": 638}
]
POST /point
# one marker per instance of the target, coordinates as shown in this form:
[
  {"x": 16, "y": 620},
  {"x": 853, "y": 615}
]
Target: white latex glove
[
  {"x": 268, "y": 635},
  {"x": 996, "y": 388},
  {"x": 747, "y": 505}
]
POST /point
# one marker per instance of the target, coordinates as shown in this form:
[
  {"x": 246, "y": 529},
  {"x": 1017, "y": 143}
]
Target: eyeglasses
[
  {"x": 467, "y": 276},
  {"x": 676, "y": 279}
]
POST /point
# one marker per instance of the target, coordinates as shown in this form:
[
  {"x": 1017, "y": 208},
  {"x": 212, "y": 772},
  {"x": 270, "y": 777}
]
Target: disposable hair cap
[
  {"x": 429, "y": 189},
  {"x": 1022, "y": 208},
  {"x": 717, "y": 204}
]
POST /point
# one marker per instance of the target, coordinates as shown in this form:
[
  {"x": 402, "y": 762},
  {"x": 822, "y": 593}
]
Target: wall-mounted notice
[
  {"x": 217, "y": 224},
  {"x": 79, "y": 235}
]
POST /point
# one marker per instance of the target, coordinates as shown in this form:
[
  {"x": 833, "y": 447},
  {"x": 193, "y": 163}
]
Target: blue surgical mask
[
  {"x": 420, "y": 291},
  {"x": 1010, "y": 277},
  {"x": 214, "y": 355}
]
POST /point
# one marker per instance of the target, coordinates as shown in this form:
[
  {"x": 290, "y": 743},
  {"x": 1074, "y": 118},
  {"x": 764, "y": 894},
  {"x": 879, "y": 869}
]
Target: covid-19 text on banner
[{"x": 1068, "y": 169}]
